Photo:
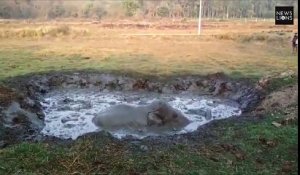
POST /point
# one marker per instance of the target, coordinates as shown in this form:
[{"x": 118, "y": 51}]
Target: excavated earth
[{"x": 23, "y": 99}]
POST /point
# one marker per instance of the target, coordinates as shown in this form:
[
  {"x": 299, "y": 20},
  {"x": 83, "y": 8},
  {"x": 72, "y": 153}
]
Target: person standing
[{"x": 295, "y": 43}]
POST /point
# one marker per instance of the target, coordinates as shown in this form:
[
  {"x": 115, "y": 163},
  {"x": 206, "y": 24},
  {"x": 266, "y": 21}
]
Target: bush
[
  {"x": 64, "y": 30},
  {"x": 131, "y": 7},
  {"x": 57, "y": 11},
  {"x": 253, "y": 37},
  {"x": 99, "y": 12},
  {"x": 163, "y": 11},
  {"x": 225, "y": 37}
]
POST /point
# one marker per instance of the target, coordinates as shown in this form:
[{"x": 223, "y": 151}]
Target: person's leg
[{"x": 294, "y": 47}]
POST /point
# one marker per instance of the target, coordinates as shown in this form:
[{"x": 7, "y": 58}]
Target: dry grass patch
[{"x": 251, "y": 49}]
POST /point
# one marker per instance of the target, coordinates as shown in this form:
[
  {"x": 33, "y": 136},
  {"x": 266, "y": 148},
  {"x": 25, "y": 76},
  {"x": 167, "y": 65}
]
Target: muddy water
[{"x": 69, "y": 113}]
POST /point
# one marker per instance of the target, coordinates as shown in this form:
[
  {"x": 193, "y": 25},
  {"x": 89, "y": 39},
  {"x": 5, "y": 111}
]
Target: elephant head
[{"x": 163, "y": 114}]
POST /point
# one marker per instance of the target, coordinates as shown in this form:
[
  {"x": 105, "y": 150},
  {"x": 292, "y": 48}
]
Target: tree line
[{"x": 97, "y": 9}]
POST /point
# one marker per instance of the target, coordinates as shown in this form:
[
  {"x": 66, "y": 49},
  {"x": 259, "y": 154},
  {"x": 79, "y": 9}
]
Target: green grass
[
  {"x": 246, "y": 153},
  {"x": 280, "y": 145},
  {"x": 277, "y": 83},
  {"x": 28, "y": 157},
  {"x": 15, "y": 62}
]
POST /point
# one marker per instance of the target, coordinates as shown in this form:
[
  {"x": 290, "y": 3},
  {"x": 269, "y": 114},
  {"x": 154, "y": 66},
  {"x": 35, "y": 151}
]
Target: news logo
[{"x": 284, "y": 15}]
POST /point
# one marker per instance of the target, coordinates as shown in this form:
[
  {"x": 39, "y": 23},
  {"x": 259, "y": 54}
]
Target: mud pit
[
  {"x": 69, "y": 113},
  {"x": 66, "y": 102}
]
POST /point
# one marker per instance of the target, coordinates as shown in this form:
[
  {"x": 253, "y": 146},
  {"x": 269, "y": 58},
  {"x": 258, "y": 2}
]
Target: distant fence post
[{"x": 200, "y": 12}]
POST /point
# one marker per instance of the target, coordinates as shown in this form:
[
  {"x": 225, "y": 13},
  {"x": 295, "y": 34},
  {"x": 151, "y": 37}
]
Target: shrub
[
  {"x": 225, "y": 37},
  {"x": 64, "y": 29},
  {"x": 163, "y": 11},
  {"x": 131, "y": 7}
]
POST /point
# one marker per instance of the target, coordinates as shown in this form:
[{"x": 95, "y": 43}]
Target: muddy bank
[
  {"x": 219, "y": 85},
  {"x": 22, "y": 116}
]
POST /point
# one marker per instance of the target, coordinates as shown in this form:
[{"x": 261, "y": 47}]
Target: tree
[
  {"x": 131, "y": 6},
  {"x": 147, "y": 8},
  {"x": 99, "y": 12},
  {"x": 56, "y": 11},
  {"x": 163, "y": 11}
]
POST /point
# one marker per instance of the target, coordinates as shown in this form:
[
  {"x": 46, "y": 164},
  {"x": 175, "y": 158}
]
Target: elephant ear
[{"x": 153, "y": 118}]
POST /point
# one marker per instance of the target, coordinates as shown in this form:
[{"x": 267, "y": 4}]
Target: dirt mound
[
  {"x": 218, "y": 85},
  {"x": 284, "y": 100},
  {"x": 282, "y": 90},
  {"x": 20, "y": 116},
  {"x": 7, "y": 96},
  {"x": 281, "y": 99}
]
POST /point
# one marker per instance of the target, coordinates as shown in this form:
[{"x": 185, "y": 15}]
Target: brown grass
[{"x": 250, "y": 48}]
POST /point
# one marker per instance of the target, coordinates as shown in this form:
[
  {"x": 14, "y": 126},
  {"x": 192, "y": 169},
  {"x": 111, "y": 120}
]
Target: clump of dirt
[
  {"x": 280, "y": 99},
  {"x": 7, "y": 95},
  {"x": 282, "y": 90},
  {"x": 284, "y": 101}
]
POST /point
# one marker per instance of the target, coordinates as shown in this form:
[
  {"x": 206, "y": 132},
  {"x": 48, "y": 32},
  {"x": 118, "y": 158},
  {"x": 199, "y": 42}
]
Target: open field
[
  {"x": 158, "y": 48},
  {"x": 251, "y": 144}
]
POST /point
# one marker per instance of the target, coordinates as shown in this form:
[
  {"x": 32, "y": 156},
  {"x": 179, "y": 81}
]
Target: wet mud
[{"x": 29, "y": 101}]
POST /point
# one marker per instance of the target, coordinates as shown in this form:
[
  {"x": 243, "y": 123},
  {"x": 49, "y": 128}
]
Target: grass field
[
  {"x": 238, "y": 48},
  {"x": 242, "y": 49}
]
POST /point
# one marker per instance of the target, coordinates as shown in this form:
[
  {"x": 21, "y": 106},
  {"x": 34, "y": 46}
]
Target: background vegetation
[{"x": 50, "y": 9}]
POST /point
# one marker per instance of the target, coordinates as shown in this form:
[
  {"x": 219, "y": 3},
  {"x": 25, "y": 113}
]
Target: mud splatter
[{"x": 69, "y": 113}]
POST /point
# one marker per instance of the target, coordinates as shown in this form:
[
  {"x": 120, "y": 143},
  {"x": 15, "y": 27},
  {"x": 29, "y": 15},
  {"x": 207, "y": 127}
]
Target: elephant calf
[{"x": 156, "y": 114}]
